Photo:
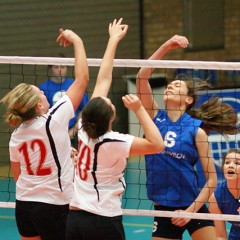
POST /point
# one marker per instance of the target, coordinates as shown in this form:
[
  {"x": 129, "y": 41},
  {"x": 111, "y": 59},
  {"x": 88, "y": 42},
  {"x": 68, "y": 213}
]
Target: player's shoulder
[{"x": 44, "y": 84}]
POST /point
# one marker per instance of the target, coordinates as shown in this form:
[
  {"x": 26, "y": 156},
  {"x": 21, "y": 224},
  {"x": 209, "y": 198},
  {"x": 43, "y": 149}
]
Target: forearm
[
  {"x": 149, "y": 127},
  {"x": 145, "y": 73},
  {"x": 143, "y": 88},
  {"x": 104, "y": 78},
  {"x": 203, "y": 196},
  {"x": 81, "y": 66},
  {"x": 108, "y": 58}
]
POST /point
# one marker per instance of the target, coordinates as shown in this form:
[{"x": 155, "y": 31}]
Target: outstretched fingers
[{"x": 117, "y": 30}]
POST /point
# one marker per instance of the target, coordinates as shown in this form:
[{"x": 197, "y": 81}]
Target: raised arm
[
  {"x": 153, "y": 142},
  {"x": 117, "y": 31},
  {"x": 143, "y": 87},
  {"x": 78, "y": 88}
]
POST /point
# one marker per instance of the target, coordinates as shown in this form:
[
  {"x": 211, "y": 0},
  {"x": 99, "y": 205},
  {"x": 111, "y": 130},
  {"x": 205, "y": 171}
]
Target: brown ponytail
[{"x": 217, "y": 116}]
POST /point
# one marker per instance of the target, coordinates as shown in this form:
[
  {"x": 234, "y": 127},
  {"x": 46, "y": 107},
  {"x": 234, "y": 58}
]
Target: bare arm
[
  {"x": 16, "y": 170},
  {"x": 77, "y": 89},
  {"x": 153, "y": 142},
  {"x": 72, "y": 132},
  {"x": 209, "y": 170},
  {"x": 104, "y": 79},
  {"x": 143, "y": 87},
  {"x": 210, "y": 175},
  {"x": 220, "y": 226}
]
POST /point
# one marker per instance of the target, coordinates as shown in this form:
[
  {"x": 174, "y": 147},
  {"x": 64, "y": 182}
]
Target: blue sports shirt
[
  {"x": 171, "y": 178},
  {"x": 228, "y": 205},
  {"x": 54, "y": 91}
]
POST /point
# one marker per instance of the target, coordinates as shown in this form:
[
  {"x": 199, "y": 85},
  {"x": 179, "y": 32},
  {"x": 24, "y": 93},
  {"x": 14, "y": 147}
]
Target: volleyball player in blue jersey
[
  {"x": 171, "y": 179},
  {"x": 226, "y": 197}
]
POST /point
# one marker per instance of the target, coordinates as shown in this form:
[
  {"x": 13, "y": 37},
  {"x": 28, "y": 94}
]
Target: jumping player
[
  {"x": 172, "y": 182},
  {"x": 95, "y": 210},
  {"x": 40, "y": 151}
]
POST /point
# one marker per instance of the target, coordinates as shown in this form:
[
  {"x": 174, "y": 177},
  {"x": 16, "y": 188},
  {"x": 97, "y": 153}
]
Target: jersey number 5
[{"x": 24, "y": 150}]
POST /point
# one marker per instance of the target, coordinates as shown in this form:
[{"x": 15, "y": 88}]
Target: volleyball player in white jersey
[
  {"x": 95, "y": 210},
  {"x": 40, "y": 151}
]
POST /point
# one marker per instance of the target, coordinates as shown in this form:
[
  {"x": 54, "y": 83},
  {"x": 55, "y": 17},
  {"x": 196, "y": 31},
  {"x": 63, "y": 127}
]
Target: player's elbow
[
  {"x": 212, "y": 182},
  {"x": 160, "y": 147},
  {"x": 157, "y": 147},
  {"x": 83, "y": 82},
  {"x": 86, "y": 78}
]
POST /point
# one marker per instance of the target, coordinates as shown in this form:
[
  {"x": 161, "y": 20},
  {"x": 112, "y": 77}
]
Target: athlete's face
[
  {"x": 43, "y": 102},
  {"x": 108, "y": 101},
  {"x": 176, "y": 93},
  {"x": 231, "y": 167}
]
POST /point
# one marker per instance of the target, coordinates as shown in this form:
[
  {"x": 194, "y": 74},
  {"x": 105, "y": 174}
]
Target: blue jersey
[
  {"x": 171, "y": 178},
  {"x": 54, "y": 91},
  {"x": 228, "y": 205}
]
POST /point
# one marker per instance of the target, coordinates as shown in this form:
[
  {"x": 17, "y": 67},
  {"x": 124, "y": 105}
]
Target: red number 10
[
  {"x": 40, "y": 170},
  {"x": 84, "y": 161}
]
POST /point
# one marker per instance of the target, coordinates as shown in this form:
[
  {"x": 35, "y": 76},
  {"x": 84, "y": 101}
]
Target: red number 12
[{"x": 40, "y": 170}]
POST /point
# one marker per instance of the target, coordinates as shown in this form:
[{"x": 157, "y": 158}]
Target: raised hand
[
  {"x": 66, "y": 37},
  {"x": 117, "y": 30},
  {"x": 176, "y": 42},
  {"x": 131, "y": 102}
]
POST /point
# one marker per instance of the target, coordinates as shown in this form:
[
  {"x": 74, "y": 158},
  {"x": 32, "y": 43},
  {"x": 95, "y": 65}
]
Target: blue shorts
[
  {"x": 164, "y": 228},
  {"x": 41, "y": 219},
  {"x": 89, "y": 226}
]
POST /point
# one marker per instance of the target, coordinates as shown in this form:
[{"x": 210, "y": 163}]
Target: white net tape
[
  {"x": 138, "y": 212},
  {"x": 130, "y": 63}
]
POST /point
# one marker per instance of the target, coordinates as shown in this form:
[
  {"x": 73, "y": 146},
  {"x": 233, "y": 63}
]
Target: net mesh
[{"x": 224, "y": 76}]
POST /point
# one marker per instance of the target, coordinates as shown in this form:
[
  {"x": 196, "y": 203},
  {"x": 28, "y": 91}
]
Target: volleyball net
[{"x": 224, "y": 76}]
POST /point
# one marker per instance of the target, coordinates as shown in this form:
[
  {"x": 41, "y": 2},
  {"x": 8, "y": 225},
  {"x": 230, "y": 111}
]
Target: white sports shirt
[
  {"x": 42, "y": 146},
  {"x": 99, "y": 179}
]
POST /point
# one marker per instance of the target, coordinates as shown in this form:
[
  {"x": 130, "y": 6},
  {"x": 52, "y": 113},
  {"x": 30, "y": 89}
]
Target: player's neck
[{"x": 174, "y": 115}]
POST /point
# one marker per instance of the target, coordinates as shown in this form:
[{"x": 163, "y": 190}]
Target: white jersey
[
  {"x": 42, "y": 146},
  {"x": 99, "y": 177}
]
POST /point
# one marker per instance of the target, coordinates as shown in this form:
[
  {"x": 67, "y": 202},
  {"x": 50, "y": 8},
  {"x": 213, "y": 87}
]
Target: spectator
[{"x": 55, "y": 87}]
